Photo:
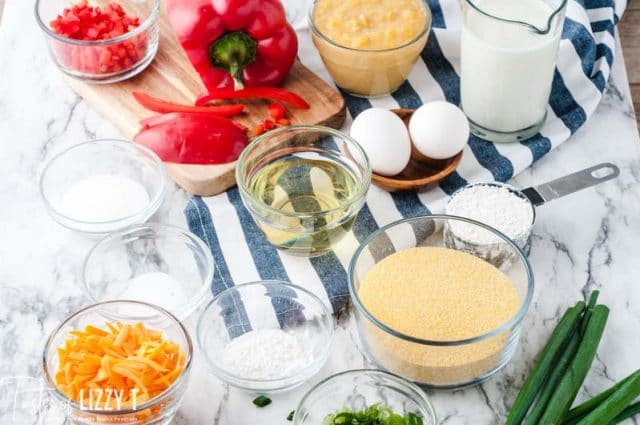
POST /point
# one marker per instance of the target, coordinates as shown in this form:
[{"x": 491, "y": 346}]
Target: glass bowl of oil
[{"x": 304, "y": 186}]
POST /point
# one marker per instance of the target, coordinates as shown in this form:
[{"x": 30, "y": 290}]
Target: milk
[{"x": 507, "y": 68}]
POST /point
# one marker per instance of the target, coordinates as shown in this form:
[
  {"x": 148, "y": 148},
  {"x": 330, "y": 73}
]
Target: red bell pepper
[
  {"x": 235, "y": 42},
  {"x": 162, "y": 106},
  {"x": 271, "y": 93},
  {"x": 192, "y": 138}
]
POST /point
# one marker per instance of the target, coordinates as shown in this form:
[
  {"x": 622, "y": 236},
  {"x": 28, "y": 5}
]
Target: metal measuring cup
[{"x": 535, "y": 196}]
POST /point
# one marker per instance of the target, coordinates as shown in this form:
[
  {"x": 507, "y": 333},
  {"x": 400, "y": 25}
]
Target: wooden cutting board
[{"x": 171, "y": 76}]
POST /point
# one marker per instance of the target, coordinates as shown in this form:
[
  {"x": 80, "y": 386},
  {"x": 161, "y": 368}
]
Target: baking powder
[
  {"x": 496, "y": 206},
  {"x": 264, "y": 354}
]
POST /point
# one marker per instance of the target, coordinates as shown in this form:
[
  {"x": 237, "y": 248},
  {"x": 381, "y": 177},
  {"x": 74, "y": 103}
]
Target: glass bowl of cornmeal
[{"x": 432, "y": 312}]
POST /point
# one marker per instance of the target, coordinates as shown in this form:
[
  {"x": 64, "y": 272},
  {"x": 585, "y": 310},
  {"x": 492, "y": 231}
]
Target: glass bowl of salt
[
  {"x": 154, "y": 263},
  {"x": 102, "y": 186},
  {"x": 266, "y": 336}
]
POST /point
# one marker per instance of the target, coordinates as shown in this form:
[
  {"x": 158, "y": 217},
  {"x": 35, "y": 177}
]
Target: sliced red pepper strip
[
  {"x": 163, "y": 106},
  {"x": 276, "y": 111},
  {"x": 193, "y": 138},
  {"x": 283, "y": 121},
  {"x": 255, "y": 92}
]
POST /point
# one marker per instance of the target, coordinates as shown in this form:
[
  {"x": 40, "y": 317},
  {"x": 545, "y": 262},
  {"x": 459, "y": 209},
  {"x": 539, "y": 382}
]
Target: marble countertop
[{"x": 587, "y": 241}]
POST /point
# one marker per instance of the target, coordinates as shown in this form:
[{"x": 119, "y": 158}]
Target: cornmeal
[{"x": 438, "y": 294}]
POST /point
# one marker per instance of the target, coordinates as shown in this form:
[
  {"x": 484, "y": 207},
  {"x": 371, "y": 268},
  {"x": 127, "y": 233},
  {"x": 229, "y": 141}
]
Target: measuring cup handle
[{"x": 572, "y": 183}]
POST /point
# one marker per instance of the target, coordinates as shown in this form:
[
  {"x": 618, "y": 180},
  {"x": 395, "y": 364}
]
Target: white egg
[
  {"x": 384, "y": 138},
  {"x": 439, "y": 130}
]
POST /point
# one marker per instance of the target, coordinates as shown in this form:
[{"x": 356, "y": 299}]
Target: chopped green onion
[
  {"x": 262, "y": 401},
  {"x": 372, "y": 415},
  {"x": 290, "y": 415}
]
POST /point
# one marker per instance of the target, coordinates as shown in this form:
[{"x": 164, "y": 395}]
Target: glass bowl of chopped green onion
[{"x": 365, "y": 397}]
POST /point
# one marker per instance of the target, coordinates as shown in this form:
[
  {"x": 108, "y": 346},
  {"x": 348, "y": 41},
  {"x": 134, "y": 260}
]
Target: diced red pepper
[
  {"x": 269, "y": 124},
  {"x": 84, "y": 22},
  {"x": 192, "y": 138},
  {"x": 257, "y": 92},
  {"x": 283, "y": 121},
  {"x": 162, "y": 106},
  {"x": 276, "y": 111},
  {"x": 257, "y": 130}
]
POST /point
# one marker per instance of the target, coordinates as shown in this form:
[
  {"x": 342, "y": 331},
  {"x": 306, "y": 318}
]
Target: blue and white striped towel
[{"x": 586, "y": 54}]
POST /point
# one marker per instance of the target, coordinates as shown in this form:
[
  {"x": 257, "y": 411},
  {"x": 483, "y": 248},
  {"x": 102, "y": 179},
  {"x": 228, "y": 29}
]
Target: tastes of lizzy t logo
[{"x": 106, "y": 399}]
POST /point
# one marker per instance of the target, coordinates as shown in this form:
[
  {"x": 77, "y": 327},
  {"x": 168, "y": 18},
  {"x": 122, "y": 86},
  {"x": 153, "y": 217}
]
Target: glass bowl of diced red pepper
[{"x": 100, "y": 41}]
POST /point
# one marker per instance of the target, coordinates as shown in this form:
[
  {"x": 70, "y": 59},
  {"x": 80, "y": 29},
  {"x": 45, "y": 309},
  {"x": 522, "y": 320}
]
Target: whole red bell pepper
[
  {"x": 192, "y": 138},
  {"x": 235, "y": 42}
]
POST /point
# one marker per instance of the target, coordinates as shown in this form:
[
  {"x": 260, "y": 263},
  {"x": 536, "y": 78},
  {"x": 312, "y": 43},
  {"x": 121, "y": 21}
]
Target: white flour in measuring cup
[{"x": 494, "y": 205}]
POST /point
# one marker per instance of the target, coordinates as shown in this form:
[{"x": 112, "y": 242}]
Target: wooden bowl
[{"x": 422, "y": 173}]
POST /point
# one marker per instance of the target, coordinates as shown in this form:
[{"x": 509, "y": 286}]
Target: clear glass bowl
[
  {"x": 266, "y": 305},
  {"x": 161, "y": 409},
  {"x": 127, "y": 264},
  {"x": 483, "y": 355},
  {"x": 99, "y": 158},
  {"x": 304, "y": 186},
  {"x": 358, "y": 389},
  {"x": 93, "y": 61},
  {"x": 368, "y": 73}
]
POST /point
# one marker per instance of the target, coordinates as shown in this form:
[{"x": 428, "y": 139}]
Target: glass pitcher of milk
[{"x": 508, "y": 57}]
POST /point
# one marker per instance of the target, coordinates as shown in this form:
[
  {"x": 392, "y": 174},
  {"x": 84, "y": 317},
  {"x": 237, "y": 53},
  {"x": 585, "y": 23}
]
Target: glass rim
[
  {"x": 534, "y": 28},
  {"x": 363, "y": 183},
  {"x": 154, "y": 202},
  {"x": 424, "y": 401},
  {"x": 283, "y": 382},
  {"x": 424, "y": 31},
  {"x": 147, "y": 404},
  {"x": 156, "y": 228},
  {"x": 150, "y": 20},
  {"x": 514, "y": 320}
]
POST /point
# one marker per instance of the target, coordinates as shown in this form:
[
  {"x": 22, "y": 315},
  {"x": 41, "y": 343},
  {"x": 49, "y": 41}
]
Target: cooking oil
[{"x": 311, "y": 201}]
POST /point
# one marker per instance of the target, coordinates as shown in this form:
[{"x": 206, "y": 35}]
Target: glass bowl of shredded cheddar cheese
[
  {"x": 119, "y": 362},
  {"x": 433, "y": 312}
]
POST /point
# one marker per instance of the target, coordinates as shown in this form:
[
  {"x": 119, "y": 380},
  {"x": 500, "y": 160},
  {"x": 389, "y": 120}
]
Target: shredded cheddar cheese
[{"x": 130, "y": 361}]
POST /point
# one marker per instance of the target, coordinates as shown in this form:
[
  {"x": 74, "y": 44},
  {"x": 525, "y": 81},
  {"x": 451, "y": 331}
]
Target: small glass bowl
[
  {"x": 160, "y": 409},
  {"x": 93, "y": 61},
  {"x": 359, "y": 389},
  {"x": 96, "y": 158},
  {"x": 142, "y": 252},
  {"x": 368, "y": 73},
  {"x": 405, "y": 354},
  {"x": 306, "y": 206},
  {"x": 266, "y": 305}
]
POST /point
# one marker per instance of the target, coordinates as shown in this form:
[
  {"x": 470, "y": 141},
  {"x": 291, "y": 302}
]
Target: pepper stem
[{"x": 233, "y": 52}]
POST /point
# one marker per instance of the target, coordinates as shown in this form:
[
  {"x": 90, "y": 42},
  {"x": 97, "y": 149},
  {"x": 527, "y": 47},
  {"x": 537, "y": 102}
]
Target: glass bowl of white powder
[
  {"x": 265, "y": 336},
  {"x": 154, "y": 263},
  {"x": 102, "y": 186}
]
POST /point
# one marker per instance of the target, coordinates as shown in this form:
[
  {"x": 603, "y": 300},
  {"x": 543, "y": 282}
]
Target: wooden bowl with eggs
[{"x": 421, "y": 173}]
